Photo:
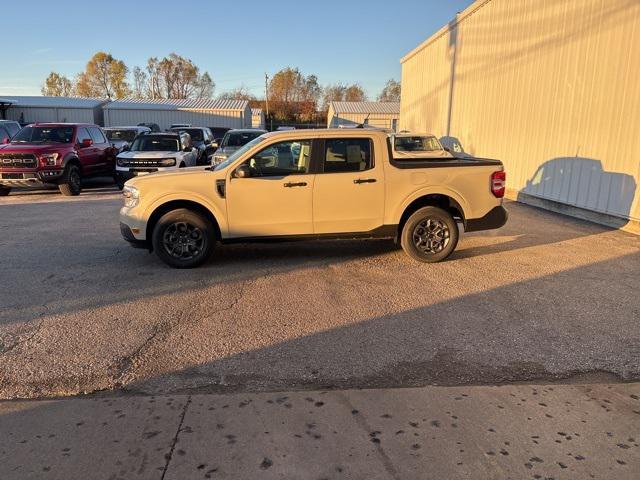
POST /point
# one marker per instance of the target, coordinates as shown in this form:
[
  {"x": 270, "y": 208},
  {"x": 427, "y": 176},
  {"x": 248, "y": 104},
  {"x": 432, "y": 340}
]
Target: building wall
[
  {"x": 550, "y": 87},
  {"x": 165, "y": 118},
  {"x": 34, "y": 114},
  {"x": 258, "y": 121},
  {"x": 375, "y": 120}
]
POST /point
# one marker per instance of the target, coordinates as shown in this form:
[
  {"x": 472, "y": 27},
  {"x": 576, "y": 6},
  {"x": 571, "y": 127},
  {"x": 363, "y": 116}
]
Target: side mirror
[
  {"x": 126, "y": 148},
  {"x": 87, "y": 142},
  {"x": 243, "y": 171}
]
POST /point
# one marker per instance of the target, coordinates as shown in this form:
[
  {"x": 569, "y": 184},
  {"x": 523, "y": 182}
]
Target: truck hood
[
  {"x": 161, "y": 176},
  {"x": 36, "y": 148},
  {"x": 138, "y": 154}
]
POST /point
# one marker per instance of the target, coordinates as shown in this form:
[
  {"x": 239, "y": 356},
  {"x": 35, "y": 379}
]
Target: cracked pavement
[{"x": 545, "y": 298}]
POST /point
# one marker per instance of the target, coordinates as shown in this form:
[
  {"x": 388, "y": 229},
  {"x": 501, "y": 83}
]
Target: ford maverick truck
[{"x": 313, "y": 184}]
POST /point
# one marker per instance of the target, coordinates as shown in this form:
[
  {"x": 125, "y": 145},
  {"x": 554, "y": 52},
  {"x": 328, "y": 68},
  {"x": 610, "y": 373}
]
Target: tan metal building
[
  {"x": 31, "y": 109},
  {"x": 377, "y": 114},
  {"x": 548, "y": 86},
  {"x": 257, "y": 118},
  {"x": 197, "y": 112}
]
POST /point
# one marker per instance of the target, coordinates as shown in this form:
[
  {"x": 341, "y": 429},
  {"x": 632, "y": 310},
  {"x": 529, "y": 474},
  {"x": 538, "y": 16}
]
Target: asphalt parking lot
[{"x": 545, "y": 298}]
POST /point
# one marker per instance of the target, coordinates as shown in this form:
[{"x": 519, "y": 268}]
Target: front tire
[
  {"x": 70, "y": 184},
  {"x": 183, "y": 238},
  {"x": 4, "y": 191},
  {"x": 429, "y": 235}
]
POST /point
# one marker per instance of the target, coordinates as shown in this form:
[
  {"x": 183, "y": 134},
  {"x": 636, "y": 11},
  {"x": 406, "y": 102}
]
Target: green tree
[
  {"x": 104, "y": 76},
  {"x": 57, "y": 85},
  {"x": 390, "y": 92}
]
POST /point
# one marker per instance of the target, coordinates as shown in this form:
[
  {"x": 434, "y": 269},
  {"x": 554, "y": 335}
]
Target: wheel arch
[
  {"x": 170, "y": 205},
  {"x": 440, "y": 200},
  {"x": 72, "y": 159}
]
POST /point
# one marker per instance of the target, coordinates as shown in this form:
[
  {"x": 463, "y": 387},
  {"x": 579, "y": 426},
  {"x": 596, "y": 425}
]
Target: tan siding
[{"x": 548, "y": 86}]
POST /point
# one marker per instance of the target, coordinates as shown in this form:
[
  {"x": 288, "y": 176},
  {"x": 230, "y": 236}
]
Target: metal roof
[
  {"x": 390, "y": 108},
  {"x": 256, "y": 111},
  {"x": 55, "y": 102},
  {"x": 177, "y": 104}
]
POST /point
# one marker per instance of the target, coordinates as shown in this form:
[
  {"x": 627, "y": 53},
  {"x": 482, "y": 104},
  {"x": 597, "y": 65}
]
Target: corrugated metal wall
[
  {"x": 165, "y": 118},
  {"x": 35, "y": 114},
  {"x": 551, "y": 87},
  {"x": 375, "y": 119}
]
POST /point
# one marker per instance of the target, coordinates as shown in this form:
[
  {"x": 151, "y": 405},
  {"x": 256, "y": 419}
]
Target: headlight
[
  {"x": 49, "y": 158},
  {"x": 121, "y": 162},
  {"x": 131, "y": 196},
  {"x": 167, "y": 162}
]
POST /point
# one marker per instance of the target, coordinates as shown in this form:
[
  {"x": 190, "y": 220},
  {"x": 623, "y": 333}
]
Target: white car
[
  {"x": 418, "y": 145},
  {"x": 155, "y": 152}
]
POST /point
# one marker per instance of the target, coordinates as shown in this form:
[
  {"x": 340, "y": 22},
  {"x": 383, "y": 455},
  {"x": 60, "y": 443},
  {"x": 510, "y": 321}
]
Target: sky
[{"x": 237, "y": 42}]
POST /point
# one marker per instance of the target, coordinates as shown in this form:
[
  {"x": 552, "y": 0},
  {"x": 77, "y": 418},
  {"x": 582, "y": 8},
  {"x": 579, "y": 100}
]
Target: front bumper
[
  {"x": 496, "y": 218},
  {"x": 128, "y": 235},
  {"x": 29, "y": 178}
]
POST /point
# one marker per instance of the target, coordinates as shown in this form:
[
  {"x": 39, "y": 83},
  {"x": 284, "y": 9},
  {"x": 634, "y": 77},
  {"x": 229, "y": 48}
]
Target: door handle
[
  {"x": 364, "y": 180},
  {"x": 295, "y": 184}
]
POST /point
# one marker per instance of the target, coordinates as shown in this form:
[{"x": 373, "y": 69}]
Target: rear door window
[
  {"x": 97, "y": 135},
  {"x": 347, "y": 155}
]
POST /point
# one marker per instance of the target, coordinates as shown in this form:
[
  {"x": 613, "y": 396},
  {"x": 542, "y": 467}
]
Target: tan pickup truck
[{"x": 314, "y": 184}]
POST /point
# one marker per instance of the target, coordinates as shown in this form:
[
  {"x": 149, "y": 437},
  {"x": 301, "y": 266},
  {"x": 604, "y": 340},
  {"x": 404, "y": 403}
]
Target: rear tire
[
  {"x": 429, "y": 235},
  {"x": 183, "y": 238},
  {"x": 70, "y": 184},
  {"x": 119, "y": 182},
  {"x": 4, "y": 191}
]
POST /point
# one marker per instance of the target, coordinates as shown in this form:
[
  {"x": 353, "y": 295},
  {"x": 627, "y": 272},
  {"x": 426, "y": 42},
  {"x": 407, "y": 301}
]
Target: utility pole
[{"x": 266, "y": 96}]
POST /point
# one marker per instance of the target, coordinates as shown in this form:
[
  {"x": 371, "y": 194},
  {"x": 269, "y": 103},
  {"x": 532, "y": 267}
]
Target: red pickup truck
[{"x": 55, "y": 153}]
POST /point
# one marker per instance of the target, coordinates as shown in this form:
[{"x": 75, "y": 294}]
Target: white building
[
  {"x": 197, "y": 112},
  {"x": 377, "y": 114},
  {"x": 550, "y": 87},
  {"x": 257, "y": 118},
  {"x": 30, "y": 109}
]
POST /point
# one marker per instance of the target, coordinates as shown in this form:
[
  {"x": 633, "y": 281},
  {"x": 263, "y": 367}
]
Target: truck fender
[
  {"x": 455, "y": 199},
  {"x": 71, "y": 157},
  {"x": 189, "y": 197}
]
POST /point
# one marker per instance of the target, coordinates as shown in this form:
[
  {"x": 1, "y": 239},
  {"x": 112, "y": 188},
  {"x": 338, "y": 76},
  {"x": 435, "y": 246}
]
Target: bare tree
[
  {"x": 140, "y": 82},
  {"x": 240, "y": 93},
  {"x": 390, "y": 92}
]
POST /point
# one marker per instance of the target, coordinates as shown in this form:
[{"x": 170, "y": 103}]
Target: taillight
[{"x": 498, "y": 183}]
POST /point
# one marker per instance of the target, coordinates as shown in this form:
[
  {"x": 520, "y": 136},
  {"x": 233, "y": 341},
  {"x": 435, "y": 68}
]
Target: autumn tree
[
  {"x": 57, "y": 85},
  {"x": 390, "y": 92},
  {"x": 293, "y": 95},
  {"x": 104, "y": 76},
  {"x": 354, "y": 93},
  {"x": 342, "y": 93}
]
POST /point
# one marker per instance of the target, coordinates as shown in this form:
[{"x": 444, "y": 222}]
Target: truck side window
[
  {"x": 347, "y": 155},
  {"x": 83, "y": 134},
  {"x": 97, "y": 136},
  {"x": 280, "y": 159}
]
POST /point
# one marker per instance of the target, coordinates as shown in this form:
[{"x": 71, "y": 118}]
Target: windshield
[
  {"x": 417, "y": 144},
  {"x": 33, "y": 134},
  {"x": 195, "y": 133},
  {"x": 238, "y": 139},
  {"x": 126, "y": 135},
  {"x": 154, "y": 143},
  {"x": 238, "y": 153}
]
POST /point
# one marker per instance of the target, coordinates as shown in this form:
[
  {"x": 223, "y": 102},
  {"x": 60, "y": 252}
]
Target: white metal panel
[
  {"x": 165, "y": 118},
  {"x": 548, "y": 86}
]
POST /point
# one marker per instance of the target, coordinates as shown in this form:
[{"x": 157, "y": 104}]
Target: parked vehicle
[
  {"x": 202, "y": 140},
  {"x": 314, "y": 184},
  {"x": 8, "y": 129},
  {"x": 155, "y": 128},
  {"x": 55, "y": 153},
  {"x": 122, "y": 137},
  {"x": 419, "y": 145},
  {"x": 155, "y": 152},
  {"x": 232, "y": 141}
]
